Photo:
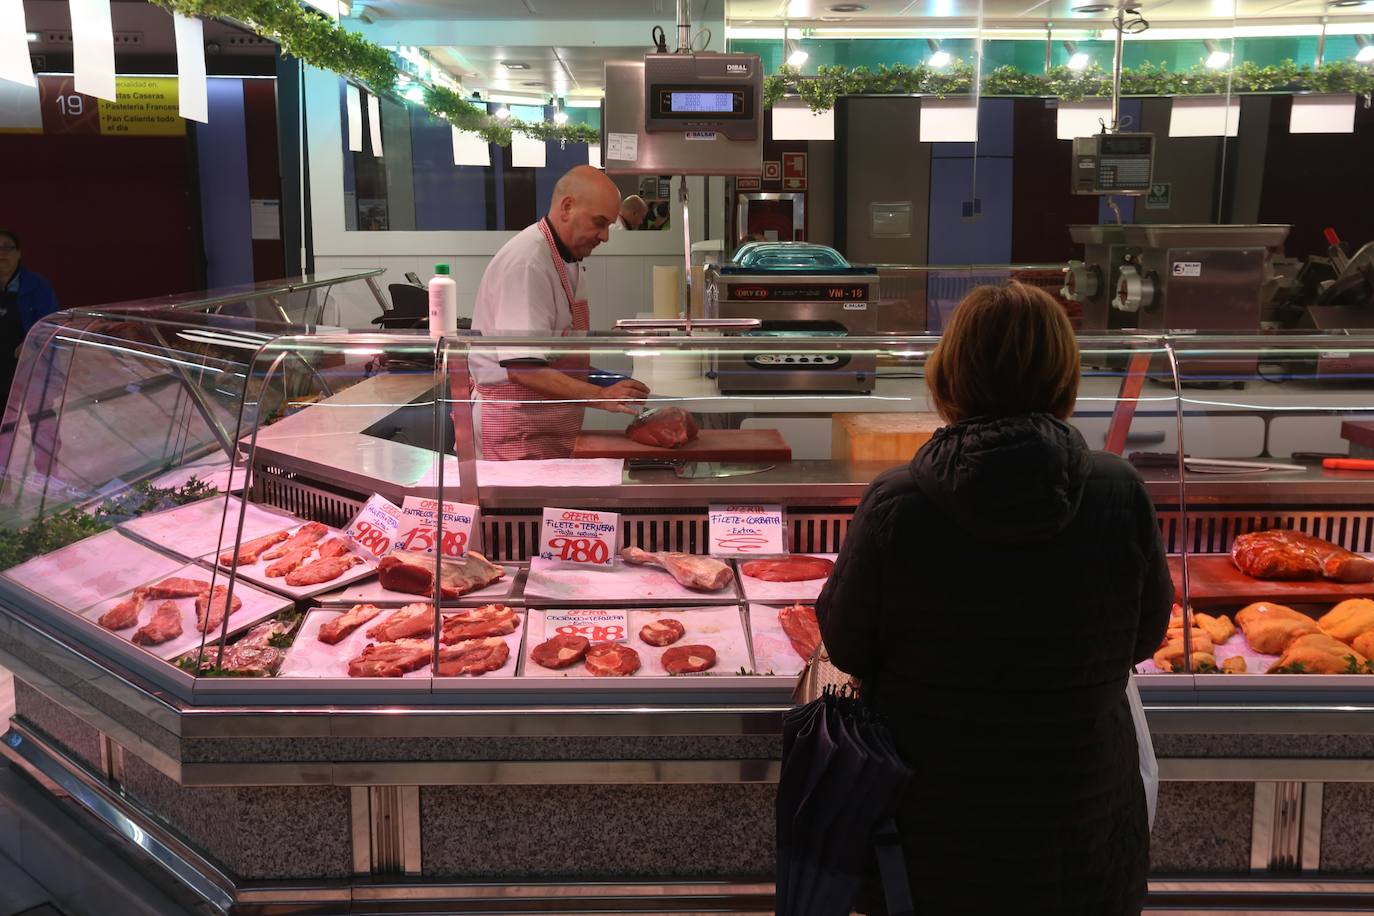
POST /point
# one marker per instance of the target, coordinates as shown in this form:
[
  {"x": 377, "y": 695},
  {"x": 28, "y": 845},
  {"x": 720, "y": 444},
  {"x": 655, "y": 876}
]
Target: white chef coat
[{"x": 521, "y": 294}]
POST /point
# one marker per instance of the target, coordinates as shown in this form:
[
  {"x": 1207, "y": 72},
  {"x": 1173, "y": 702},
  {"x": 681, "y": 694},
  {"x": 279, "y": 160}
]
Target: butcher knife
[{"x": 697, "y": 470}]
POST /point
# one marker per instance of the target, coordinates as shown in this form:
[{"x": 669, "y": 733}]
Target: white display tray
[
  {"x": 92, "y": 569},
  {"x": 718, "y": 627},
  {"x": 257, "y": 572},
  {"x": 807, "y": 590},
  {"x": 371, "y": 592},
  {"x": 308, "y": 657},
  {"x": 258, "y": 605},
  {"x": 773, "y": 652},
  {"x": 567, "y": 583},
  {"x": 193, "y": 530}
]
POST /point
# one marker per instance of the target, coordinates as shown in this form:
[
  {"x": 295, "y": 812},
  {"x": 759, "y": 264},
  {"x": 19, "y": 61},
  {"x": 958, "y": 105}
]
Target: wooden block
[{"x": 880, "y": 436}]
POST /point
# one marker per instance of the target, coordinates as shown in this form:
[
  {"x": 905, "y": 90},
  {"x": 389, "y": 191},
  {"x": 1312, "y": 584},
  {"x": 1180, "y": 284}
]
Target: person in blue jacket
[{"x": 25, "y": 297}]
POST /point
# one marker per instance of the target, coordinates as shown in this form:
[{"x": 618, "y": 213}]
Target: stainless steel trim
[
  {"x": 360, "y": 823},
  {"x": 1262, "y": 825},
  {"x": 1277, "y": 769},
  {"x": 478, "y": 773},
  {"x": 1310, "y": 842},
  {"x": 412, "y": 854},
  {"x": 386, "y": 829},
  {"x": 1283, "y": 856}
]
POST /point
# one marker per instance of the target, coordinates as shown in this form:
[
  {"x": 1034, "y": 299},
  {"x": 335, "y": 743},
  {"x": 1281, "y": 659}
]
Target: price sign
[
  {"x": 373, "y": 529},
  {"x": 742, "y": 530},
  {"x": 596, "y": 626},
  {"x": 579, "y": 536},
  {"x": 419, "y": 527}
]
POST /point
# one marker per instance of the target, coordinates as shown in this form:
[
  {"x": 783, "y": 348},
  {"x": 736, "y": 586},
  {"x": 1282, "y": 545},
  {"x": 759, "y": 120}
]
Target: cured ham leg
[
  {"x": 289, "y": 562},
  {"x": 210, "y": 608},
  {"x": 321, "y": 570},
  {"x": 690, "y": 570},
  {"x": 336, "y": 629},
  {"x": 799, "y": 623},
  {"x": 306, "y": 536},
  {"x": 250, "y": 551},
  {"x": 177, "y": 588},
  {"x": 124, "y": 614},
  {"x": 165, "y": 625},
  {"x": 1283, "y": 554}
]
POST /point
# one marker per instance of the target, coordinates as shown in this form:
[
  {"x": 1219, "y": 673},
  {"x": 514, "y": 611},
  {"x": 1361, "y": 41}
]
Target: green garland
[
  {"x": 830, "y": 82},
  {"x": 309, "y": 35}
]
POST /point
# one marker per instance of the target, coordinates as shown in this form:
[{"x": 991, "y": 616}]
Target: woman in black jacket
[{"x": 993, "y": 595}]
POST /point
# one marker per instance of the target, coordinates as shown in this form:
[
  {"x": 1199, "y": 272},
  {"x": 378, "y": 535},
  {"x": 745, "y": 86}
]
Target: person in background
[
  {"x": 633, "y": 210},
  {"x": 993, "y": 596},
  {"x": 25, "y": 297},
  {"x": 658, "y": 215}
]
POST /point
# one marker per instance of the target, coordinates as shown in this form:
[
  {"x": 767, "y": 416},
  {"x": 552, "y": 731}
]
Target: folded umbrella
[{"x": 807, "y": 747}]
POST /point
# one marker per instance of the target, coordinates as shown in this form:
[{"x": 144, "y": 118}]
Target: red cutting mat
[
  {"x": 710, "y": 445},
  {"x": 1214, "y": 581}
]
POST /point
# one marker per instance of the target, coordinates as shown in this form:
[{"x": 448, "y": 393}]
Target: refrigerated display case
[{"x": 180, "y": 447}]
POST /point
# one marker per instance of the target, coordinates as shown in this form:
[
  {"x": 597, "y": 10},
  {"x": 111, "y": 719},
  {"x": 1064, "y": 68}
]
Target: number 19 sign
[{"x": 579, "y": 536}]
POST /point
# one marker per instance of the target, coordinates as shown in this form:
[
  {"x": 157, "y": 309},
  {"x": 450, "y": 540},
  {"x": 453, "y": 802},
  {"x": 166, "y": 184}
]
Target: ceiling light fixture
[
  {"x": 1216, "y": 57},
  {"x": 798, "y": 55},
  {"x": 502, "y": 113},
  {"x": 1346, "y": 4},
  {"x": 1366, "y": 53},
  {"x": 1078, "y": 60},
  {"x": 1093, "y": 8},
  {"x": 416, "y": 93},
  {"x": 938, "y": 56},
  {"x": 847, "y": 7},
  {"x": 514, "y": 65},
  {"x": 34, "y": 36},
  {"x": 560, "y": 117}
]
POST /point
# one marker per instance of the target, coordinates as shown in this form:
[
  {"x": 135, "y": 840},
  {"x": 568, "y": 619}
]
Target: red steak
[
  {"x": 1283, "y": 554},
  {"x": 249, "y": 551},
  {"x": 390, "y": 659},
  {"x": 611, "y": 659},
  {"x": 411, "y": 620},
  {"x": 666, "y": 427},
  {"x": 165, "y": 625},
  {"x": 788, "y": 569},
  {"x": 662, "y": 632},
  {"x": 335, "y": 630},
  {"x": 334, "y": 547},
  {"x": 688, "y": 659},
  {"x": 799, "y": 623},
  {"x": 177, "y": 588},
  {"x": 306, "y": 536},
  {"x": 473, "y": 656},
  {"x": 321, "y": 571},
  {"x": 479, "y": 622},
  {"x": 289, "y": 562},
  {"x": 560, "y": 651},
  {"x": 124, "y": 614},
  {"x": 413, "y": 573},
  {"x": 210, "y": 608}
]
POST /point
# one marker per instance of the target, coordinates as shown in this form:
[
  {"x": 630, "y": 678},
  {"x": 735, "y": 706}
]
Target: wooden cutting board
[
  {"x": 1214, "y": 581},
  {"x": 710, "y": 445},
  {"x": 880, "y": 436}
]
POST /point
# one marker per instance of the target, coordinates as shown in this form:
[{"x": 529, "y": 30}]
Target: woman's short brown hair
[{"x": 1008, "y": 350}]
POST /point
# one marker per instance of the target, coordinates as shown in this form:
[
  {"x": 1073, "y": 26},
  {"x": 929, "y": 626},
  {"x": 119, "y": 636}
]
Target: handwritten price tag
[
  {"x": 419, "y": 526},
  {"x": 373, "y": 529},
  {"x": 579, "y": 536},
  {"x": 742, "y": 530},
  {"x": 596, "y": 626}
]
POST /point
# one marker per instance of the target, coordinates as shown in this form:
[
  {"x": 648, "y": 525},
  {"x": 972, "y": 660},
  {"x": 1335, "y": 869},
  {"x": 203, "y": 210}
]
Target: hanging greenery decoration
[
  {"x": 309, "y": 35},
  {"x": 820, "y": 91}
]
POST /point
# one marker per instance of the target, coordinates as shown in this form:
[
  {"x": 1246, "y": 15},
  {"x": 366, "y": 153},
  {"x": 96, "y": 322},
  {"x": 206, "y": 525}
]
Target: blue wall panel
[
  {"x": 447, "y": 196},
  {"x": 226, "y": 219},
  {"x": 557, "y": 161},
  {"x": 958, "y": 236}
]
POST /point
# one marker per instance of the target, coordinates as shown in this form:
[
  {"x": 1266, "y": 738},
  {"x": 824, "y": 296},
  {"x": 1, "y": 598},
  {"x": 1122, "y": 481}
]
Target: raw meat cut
[
  {"x": 210, "y": 609},
  {"x": 334, "y": 547},
  {"x": 336, "y": 629},
  {"x": 124, "y": 614},
  {"x": 473, "y": 656},
  {"x": 306, "y": 536},
  {"x": 665, "y": 427},
  {"x": 479, "y": 622},
  {"x": 1283, "y": 554},
  {"x": 289, "y": 562},
  {"x": 165, "y": 625},
  {"x": 1318, "y": 653},
  {"x": 177, "y": 588},
  {"x": 251, "y": 656},
  {"x": 1269, "y": 628},
  {"x": 1170, "y": 654},
  {"x": 662, "y": 632},
  {"x": 391, "y": 659},
  {"x": 788, "y": 569},
  {"x": 411, "y": 620},
  {"x": 560, "y": 651},
  {"x": 688, "y": 659},
  {"x": 690, "y": 570},
  {"x": 249, "y": 551},
  {"x": 321, "y": 571},
  {"x": 413, "y": 573},
  {"x": 611, "y": 659},
  {"x": 799, "y": 623},
  {"x": 1348, "y": 619}
]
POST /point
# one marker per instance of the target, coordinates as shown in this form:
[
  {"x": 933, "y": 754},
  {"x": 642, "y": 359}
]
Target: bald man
[
  {"x": 532, "y": 400},
  {"x": 632, "y": 212}
]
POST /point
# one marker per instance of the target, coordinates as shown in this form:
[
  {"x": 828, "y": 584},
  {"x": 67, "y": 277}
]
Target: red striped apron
[{"x": 518, "y": 422}]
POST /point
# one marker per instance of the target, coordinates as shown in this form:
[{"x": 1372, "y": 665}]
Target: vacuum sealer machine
[{"x": 803, "y": 292}]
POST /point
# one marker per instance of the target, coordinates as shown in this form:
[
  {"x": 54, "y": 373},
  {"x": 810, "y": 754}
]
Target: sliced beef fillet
[
  {"x": 688, "y": 659},
  {"x": 249, "y": 551},
  {"x": 210, "y": 608},
  {"x": 321, "y": 571},
  {"x": 335, "y": 630},
  {"x": 611, "y": 659},
  {"x": 286, "y": 564},
  {"x": 788, "y": 569},
  {"x": 689, "y": 569},
  {"x": 306, "y": 536},
  {"x": 803, "y": 631},
  {"x": 334, "y": 547},
  {"x": 391, "y": 659},
  {"x": 411, "y": 620},
  {"x": 479, "y": 622},
  {"x": 665, "y": 427},
  {"x": 473, "y": 656},
  {"x": 165, "y": 625},
  {"x": 662, "y": 632},
  {"x": 124, "y": 614},
  {"x": 560, "y": 651},
  {"x": 177, "y": 588}
]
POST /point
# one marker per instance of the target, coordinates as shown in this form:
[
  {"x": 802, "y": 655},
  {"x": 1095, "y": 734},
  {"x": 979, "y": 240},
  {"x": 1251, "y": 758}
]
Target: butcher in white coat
[{"x": 532, "y": 400}]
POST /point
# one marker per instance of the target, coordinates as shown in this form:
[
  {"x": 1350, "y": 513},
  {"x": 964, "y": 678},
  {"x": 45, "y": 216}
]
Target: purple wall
[
  {"x": 222, "y": 152},
  {"x": 447, "y": 196}
]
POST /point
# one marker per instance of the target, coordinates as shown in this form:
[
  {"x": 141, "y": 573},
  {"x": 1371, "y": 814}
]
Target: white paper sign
[
  {"x": 624, "y": 147},
  {"x": 579, "y": 536},
  {"x": 1204, "y": 116},
  {"x": 1082, "y": 119},
  {"x": 265, "y": 219},
  {"x": 374, "y": 123},
  {"x": 19, "y": 110},
  {"x": 744, "y": 530},
  {"x": 14, "y": 45},
  {"x": 594, "y": 625},
  {"x": 355, "y": 118},
  {"x": 373, "y": 529},
  {"x": 470, "y": 148},
  {"x": 93, "y": 48},
  {"x": 193, "y": 100},
  {"x": 1322, "y": 114},
  {"x": 527, "y": 152},
  {"x": 594, "y": 155},
  {"x": 419, "y": 528},
  {"x": 799, "y": 122},
  {"x": 951, "y": 120}
]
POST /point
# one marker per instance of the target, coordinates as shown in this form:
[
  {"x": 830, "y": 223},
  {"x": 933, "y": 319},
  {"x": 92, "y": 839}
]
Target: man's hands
[{"x": 623, "y": 397}]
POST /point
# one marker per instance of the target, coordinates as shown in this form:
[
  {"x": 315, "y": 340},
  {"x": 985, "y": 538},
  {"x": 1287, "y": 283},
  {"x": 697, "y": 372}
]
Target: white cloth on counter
[
  {"x": 521, "y": 293},
  {"x": 552, "y": 472}
]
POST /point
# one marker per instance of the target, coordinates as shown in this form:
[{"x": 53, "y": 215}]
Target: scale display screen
[
  {"x": 701, "y": 102},
  {"x": 695, "y": 102},
  {"x": 818, "y": 292}
]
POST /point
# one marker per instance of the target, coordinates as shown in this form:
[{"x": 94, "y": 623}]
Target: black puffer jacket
[{"x": 993, "y": 595}]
